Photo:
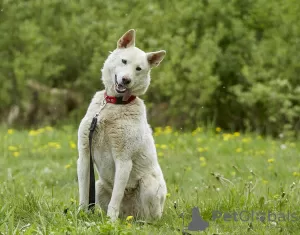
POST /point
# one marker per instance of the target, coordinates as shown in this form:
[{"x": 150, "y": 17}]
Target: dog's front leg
[
  {"x": 122, "y": 172},
  {"x": 83, "y": 169},
  {"x": 83, "y": 165}
]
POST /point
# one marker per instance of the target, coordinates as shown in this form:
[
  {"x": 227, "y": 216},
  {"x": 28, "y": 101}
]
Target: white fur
[{"x": 130, "y": 179}]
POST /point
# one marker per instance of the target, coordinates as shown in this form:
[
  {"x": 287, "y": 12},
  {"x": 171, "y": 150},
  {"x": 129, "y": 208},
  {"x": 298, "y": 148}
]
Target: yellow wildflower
[
  {"x": 129, "y": 225},
  {"x": 16, "y": 154},
  {"x": 197, "y": 130},
  {"x": 296, "y": 173},
  {"x": 271, "y": 160},
  {"x": 67, "y": 166},
  {"x": 292, "y": 144},
  {"x": 163, "y": 146},
  {"x": 10, "y": 131},
  {"x": 236, "y": 134},
  {"x": 202, "y": 159},
  {"x": 129, "y": 218},
  {"x": 160, "y": 154},
  {"x": 34, "y": 132},
  {"x": 12, "y": 148},
  {"x": 246, "y": 140},
  {"x": 218, "y": 129},
  {"x": 168, "y": 130},
  {"x": 48, "y": 128},
  {"x": 55, "y": 145},
  {"x": 201, "y": 150},
  {"x": 226, "y": 136},
  {"x": 157, "y": 131},
  {"x": 239, "y": 150},
  {"x": 72, "y": 145},
  {"x": 188, "y": 168}
]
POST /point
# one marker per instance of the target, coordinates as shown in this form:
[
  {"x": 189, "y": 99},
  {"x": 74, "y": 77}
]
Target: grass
[{"x": 215, "y": 171}]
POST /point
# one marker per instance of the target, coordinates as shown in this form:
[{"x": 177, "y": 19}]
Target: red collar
[{"x": 118, "y": 100}]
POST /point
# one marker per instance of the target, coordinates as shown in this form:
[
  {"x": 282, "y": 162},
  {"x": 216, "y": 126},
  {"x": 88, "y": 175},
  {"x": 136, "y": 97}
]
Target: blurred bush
[{"x": 232, "y": 63}]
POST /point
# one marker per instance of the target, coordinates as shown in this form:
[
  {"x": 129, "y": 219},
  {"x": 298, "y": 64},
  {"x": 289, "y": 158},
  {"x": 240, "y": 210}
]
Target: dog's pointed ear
[
  {"x": 154, "y": 58},
  {"x": 127, "y": 40}
]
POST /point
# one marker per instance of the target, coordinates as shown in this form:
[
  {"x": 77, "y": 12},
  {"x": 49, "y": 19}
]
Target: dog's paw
[
  {"x": 112, "y": 213},
  {"x": 83, "y": 207}
]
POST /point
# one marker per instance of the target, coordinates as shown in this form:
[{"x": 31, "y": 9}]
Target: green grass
[{"x": 208, "y": 169}]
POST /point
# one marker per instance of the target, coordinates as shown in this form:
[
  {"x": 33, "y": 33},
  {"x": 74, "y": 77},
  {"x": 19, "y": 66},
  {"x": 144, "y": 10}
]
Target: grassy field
[{"x": 210, "y": 169}]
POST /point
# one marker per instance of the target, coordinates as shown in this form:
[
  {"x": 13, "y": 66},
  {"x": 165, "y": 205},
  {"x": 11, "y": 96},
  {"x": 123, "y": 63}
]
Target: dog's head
[{"x": 127, "y": 69}]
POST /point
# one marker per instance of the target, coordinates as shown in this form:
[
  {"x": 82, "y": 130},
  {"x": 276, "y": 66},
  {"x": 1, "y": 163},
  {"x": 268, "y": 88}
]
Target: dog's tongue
[
  {"x": 126, "y": 95},
  {"x": 120, "y": 87}
]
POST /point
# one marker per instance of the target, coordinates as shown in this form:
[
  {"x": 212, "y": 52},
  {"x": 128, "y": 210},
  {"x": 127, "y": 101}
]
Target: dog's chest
[{"x": 118, "y": 135}]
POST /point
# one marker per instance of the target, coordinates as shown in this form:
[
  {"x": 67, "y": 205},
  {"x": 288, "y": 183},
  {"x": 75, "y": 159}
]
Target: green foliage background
[{"x": 232, "y": 63}]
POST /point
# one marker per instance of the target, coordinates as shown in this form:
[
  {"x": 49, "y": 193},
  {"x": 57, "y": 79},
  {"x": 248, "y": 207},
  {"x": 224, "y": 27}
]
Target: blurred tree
[{"x": 234, "y": 63}]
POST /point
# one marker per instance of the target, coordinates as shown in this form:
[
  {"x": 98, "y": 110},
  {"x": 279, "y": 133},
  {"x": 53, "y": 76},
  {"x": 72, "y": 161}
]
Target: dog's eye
[
  {"x": 138, "y": 68},
  {"x": 124, "y": 61}
]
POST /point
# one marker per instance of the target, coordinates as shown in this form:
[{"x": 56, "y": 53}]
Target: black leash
[
  {"x": 92, "y": 190},
  {"x": 92, "y": 187}
]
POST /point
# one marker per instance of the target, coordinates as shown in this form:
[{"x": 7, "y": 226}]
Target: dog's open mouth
[{"x": 120, "y": 88}]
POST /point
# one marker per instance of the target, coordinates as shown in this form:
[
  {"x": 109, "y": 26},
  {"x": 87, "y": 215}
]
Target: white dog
[{"x": 130, "y": 179}]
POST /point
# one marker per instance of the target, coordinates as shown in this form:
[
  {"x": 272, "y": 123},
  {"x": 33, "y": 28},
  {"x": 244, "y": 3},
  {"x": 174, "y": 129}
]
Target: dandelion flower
[
  {"x": 239, "y": 150},
  {"x": 48, "y": 128},
  {"x": 129, "y": 218},
  {"x": 168, "y": 130},
  {"x": 201, "y": 150},
  {"x": 12, "y": 148},
  {"x": 129, "y": 225},
  {"x": 72, "y": 145},
  {"x": 10, "y": 131},
  {"x": 271, "y": 160},
  {"x": 16, "y": 154},
  {"x": 163, "y": 146},
  {"x": 226, "y": 136},
  {"x": 67, "y": 166},
  {"x": 218, "y": 129},
  {"x": 202, "y": 159},
  {"x": 160, "y": 154},
  {"x": 236, "y": 134},
  {"x": 246, "y": 140},
  {"x": 55, "y": 145}
]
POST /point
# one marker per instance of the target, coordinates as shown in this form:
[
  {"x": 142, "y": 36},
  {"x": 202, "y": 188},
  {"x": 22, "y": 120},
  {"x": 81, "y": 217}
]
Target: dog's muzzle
[{"x": 120, "y": 87}]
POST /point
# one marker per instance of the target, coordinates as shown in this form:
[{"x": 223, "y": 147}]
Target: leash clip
[{"x": 95, "y": 118}]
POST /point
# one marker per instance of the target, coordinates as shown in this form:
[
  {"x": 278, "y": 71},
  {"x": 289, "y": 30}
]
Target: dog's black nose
[{"x": 126, "y": 80}]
